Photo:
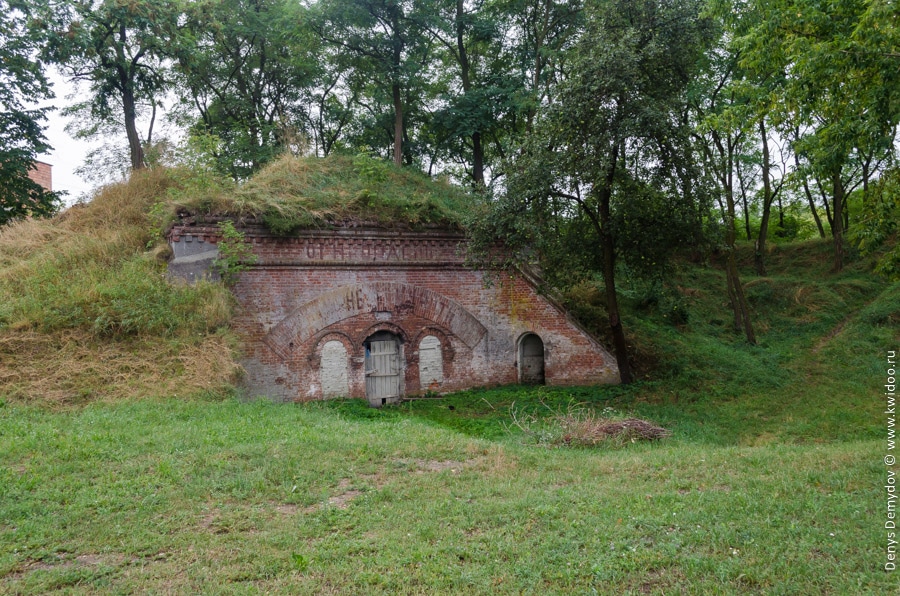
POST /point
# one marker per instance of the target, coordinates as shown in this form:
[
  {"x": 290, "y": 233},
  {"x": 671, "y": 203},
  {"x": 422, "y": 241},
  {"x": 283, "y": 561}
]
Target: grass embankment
[
  {"x": 296, "y": 193},
  {"x": 770, "y": 483},
  {"x": 86, "y": 312}
]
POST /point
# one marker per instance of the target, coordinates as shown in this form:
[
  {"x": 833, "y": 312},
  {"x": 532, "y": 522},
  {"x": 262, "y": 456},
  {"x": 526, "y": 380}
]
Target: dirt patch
[
  {"x": 89, "y": 560},
  {"x": 659, "y": 581},
  {"x": 209, "y": 519},
  {"x": 343, "y": 500},
  {"x": 440, "y": 466},
  {"x": 430, "y": 465},
  {"x": 345, "y": 495},
  {"x": 63, "y": 562},
  {"x": 287, "y": 509}
]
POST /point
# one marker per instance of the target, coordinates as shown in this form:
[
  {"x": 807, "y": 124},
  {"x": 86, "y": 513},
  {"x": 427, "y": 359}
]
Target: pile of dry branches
[
  {"x": 581, "y": 425},
  {"x": 590, "y": 430}
]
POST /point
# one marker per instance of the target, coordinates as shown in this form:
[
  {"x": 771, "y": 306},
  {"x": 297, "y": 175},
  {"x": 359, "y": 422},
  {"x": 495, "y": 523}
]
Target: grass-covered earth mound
[
  {"x": 128, "y": 466},
  {"x": 294, "y": 193},
  {"x": 86, "y": 312}
]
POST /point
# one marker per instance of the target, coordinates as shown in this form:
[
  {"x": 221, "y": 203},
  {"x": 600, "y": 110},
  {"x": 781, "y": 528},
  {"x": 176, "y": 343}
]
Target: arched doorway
[
  {"x": 383, "y": 368},
  {"x": 531, "y": 360}
]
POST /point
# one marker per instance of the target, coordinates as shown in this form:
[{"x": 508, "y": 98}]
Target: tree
[
  {"x": 246, "y": 67},
  {"x": 611, "y": 146},
  {"x": 465, "y": 33},
  {"x": 541, "y": 36},
  {"x": 21, "y": 135},
  {"x": 387, "y": 53},
  {"x": 119, "y": 49},
  {"x": 720, "y": 106},
  {"x": 838, "y": 86},
  {"x": 500, "y": 60}
]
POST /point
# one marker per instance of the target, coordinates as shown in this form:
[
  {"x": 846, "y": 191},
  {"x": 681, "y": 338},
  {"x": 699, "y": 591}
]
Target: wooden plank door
[{"x": 382, "y": 371}]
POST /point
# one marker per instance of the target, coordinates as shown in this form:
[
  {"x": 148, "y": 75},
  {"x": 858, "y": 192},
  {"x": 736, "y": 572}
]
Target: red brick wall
[
  {"x": 347, "y": 284},
  {"x": 42, "y": 173}
]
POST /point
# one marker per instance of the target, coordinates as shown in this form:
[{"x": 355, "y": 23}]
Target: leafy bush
[{"x": 235, "y": 254}]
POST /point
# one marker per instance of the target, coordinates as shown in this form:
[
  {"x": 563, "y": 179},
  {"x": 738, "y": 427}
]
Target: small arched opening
[{"x": 531, "y": 360}]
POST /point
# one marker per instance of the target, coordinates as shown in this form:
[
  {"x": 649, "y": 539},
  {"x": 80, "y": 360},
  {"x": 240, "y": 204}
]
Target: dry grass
[
  {"x": 293, "y": 193},
  {"x": 86, "y": 314},
  {"x": 115, "y": 219},
  {"x": 579, "y": 425},
  {"x": 72, "y": 367},
  {"x": 589, "y": 430}
]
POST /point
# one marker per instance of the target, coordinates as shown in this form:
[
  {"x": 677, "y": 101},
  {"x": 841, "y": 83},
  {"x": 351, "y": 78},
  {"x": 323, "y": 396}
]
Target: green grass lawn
[
  {"x": 188, "y": 497},
  {"x": 771, "y": 483}
]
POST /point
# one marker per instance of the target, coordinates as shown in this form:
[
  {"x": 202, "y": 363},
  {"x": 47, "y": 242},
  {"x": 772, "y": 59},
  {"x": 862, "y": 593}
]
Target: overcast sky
[{"x": 68, "y": 153}]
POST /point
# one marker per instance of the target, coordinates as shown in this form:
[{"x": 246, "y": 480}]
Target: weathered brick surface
[
  {"x": 42, "y": 173},
  {"x": 345, "y": 285}
]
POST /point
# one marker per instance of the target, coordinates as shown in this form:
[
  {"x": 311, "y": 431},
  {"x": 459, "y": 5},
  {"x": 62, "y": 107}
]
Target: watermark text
[{"x": 890, "y": 411}]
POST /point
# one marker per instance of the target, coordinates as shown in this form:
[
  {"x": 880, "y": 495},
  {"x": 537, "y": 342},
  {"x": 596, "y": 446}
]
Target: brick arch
[
  {"x": 325, "y": 336},
  {"x": 441, "y": 334},
  {"x": 397, "y": 330},
  {"x": 345, "y": 302}
]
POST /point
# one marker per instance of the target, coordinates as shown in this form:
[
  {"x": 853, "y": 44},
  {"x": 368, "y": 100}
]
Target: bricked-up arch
[{"x": 308, "y": 319}]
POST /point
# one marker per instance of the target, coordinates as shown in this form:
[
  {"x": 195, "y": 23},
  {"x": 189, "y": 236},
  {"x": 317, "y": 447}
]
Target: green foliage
[
  {"x": 877, "y": 230},
  {"x": 252, "y": 102},
  {"x": 385, "y": 45},
  {"x": 22, "y": 81},
  {"x": 617, "y": 174},
  {"x": 831, "y": 83},
  {"x": 235, "y": 253},
  {"x": 119, "y": 49}
]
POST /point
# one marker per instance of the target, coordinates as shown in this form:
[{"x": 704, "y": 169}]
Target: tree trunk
[
  {"x": 465, "y": 75},
  {"x": 759, "y": 253},
  {"x": 837, "y": 227},
  {"x": 612, "y": 304},
  {"x": 744, "y": 202},
  {"x": 809, "y": 199},
  {"x": 739, "y": 306},
  {"x": 477, "y": 160},
  {"x": 742, "y": 312},
  {"x": 398, "y": 124},
  {"x": 812, "y": 208},
  {"x": 608, "y": 247},
  {"x": 134, "y": 139},
  {"x": 395, "y": 86}
]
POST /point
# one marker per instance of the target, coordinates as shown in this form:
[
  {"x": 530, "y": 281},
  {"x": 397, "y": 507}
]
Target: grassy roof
[{"x": 296, "y": 193}]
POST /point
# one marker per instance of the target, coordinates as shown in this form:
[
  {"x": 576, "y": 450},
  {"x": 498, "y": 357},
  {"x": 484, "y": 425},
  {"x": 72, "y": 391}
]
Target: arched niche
[
  {"x": 531, "y": 360},
  {"x": 431, "y": 363},
  {"x": 334, "y": 369}
]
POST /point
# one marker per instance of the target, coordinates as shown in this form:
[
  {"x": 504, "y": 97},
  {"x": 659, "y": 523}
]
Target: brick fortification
[{"x": 312, "y": 302}]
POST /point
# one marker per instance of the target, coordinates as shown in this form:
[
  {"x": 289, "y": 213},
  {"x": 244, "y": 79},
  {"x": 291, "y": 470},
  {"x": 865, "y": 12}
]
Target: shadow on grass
[{"x": 486, "y": 413}]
